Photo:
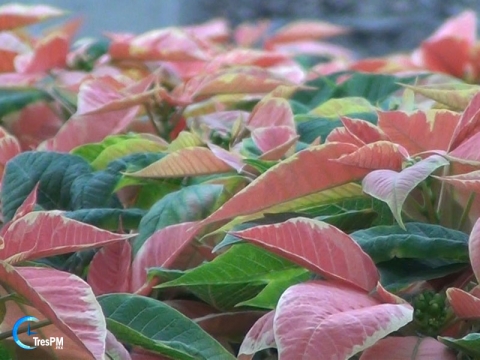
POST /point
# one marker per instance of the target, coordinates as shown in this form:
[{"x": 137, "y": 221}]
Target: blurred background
[{"x": 378, "y": 27}]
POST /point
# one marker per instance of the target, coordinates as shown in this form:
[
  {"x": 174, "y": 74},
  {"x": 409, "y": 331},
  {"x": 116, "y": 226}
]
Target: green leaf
[
  {"x": 469, "y": 344},
  {"x": 56, "y": 173},
  {"x": 269, "y": 296},
  {"x": 155, "y": 326},
  {"x": 418, "y": 241},
  {"x": 188, "y": 204},
  {"x": 397, "y": 274},
  {"x": 109, "y": 219},
  {"x": 374, "y": 87},
  {"x": 235, "y": 276},
  {"x": 16, "y": 98}
]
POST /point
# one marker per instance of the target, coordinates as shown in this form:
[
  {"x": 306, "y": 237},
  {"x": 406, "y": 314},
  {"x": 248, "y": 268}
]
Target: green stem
[
  {"x": 427, "y": 197},
  {"x": 24, "y": 329},
  {"x": 466, "y": 211},
  {"x": 445, "y": 172}
]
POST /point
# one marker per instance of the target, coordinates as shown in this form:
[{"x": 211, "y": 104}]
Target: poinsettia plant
[{"x": 209, "y": 192}]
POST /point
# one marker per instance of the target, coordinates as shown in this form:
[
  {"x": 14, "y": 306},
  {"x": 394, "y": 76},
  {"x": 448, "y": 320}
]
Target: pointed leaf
[
  {"x": 161, "y": 249},
  {"x": 26, "y": 237},
  {"x": 393, "y": 187},
  {"x": 377, "y": 155},
  {"x": 469, "y": 181},
  {"x": 191, "y": 161},
  {"x": 420, "y": 131},
  {"x": 469, "y": 344},
  {"x": 110, "y": 269},
  {"x": 276, "y": 186},
  {"x": 16, "y": 15},
  {"x": 464, "y": 305},
  {"x": 311, "y": 316},
  {"x": 153, "y": 325},
  {"x": 363, "y": 130},
  {"x": 312, "y": 244},
  {"x": 65, "y": 299},
  {"x": 260, "y": 337},
  {"x": 469, "y": 123},
  {"x": 416, "y": 241}
]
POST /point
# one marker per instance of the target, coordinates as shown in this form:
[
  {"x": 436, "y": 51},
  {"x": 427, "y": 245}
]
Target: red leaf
[
  {"x": 408, "y": 348},
  {"x": 17, "y": 15},
  {"x": 282, "y": 182},
  {"x": 47, "y": 233},
  {"x": 341, "y": 134},
  {"x": 270, "y": 112},
  {"x": 318, "y": 314},
  {"x": 319, "y": 247},
  {"x": 215, "y": 30},
  {"x": 66, "y": 300},
  {"x": 10, "y": 47},
  {"x": 110, "y": 269},
  {"x": 247, "y": 34},
  {"x": 469, "y": 181}
]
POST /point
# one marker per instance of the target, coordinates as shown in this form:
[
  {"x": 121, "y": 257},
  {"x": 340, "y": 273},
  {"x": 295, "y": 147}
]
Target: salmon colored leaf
[
  {"x": 270, "y": 112},
  {"x": 16, "y": 15},
  {"x": 169, "y": 44},
  {"x": 25, "y": 208},
  {"x": 419, "y": 131},
  {"x": 464, "y": 305},
  {"x": 47, "y": 233},
  {"x": 282, "y": 182},
  {"x": 160, "y": 250},
  {"x": 280, "y": 150},
  {"x": 312, "y": 316},
  {"x": 10, "y": 47},
  {"x": 49, "y": 53},
  {"x": 408, "y": 348},
  {"x": 305, "y": 30},
  {"x": 363, "y": 130},
  {"x": 84, "y": 129},
  {"x": 469, "y": 124},
  {"x": 216, "y": 30},
  {"x": 269, "y": 138},
  {"x": 393, "y": 187},
  {"x": 191, "y": 161},
  {"x": 341, "y": 134},
  {"x": 9, "y": 148},
  {"x": 106, "y": 93},
  {"x": 110, "y": 269},
  {"x": 469, "y": 181},
  {"x": 314, "y": 244},
  {"x": 247, "y": 34},
  {"x": 260, "y": 337},
  {"x": 377, "y": 155},
  {"x": 64, "y": 299}
]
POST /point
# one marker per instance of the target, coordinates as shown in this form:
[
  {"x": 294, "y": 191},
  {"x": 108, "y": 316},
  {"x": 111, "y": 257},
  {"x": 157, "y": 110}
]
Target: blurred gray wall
[{"x": 379, "y": 26}]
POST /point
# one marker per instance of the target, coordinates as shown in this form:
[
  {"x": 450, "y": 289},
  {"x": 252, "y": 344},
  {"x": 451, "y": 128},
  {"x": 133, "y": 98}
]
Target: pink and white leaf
[
  {"x": 393, "y": 187},
  {"x": 47, "y": 233},
  {"x": 319, "y": 247},
  {"x": 66, "y": 300},
  {"x": 317, "y": 315}
]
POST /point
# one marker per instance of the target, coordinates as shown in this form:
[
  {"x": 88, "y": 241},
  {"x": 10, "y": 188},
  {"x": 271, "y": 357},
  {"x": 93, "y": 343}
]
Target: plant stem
[
  {"x": 40, "y": 324},
  {"x": 432, "y": 213},
  {"x": 466, "y": 211},
  {"x": 445, "y": 172}
]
